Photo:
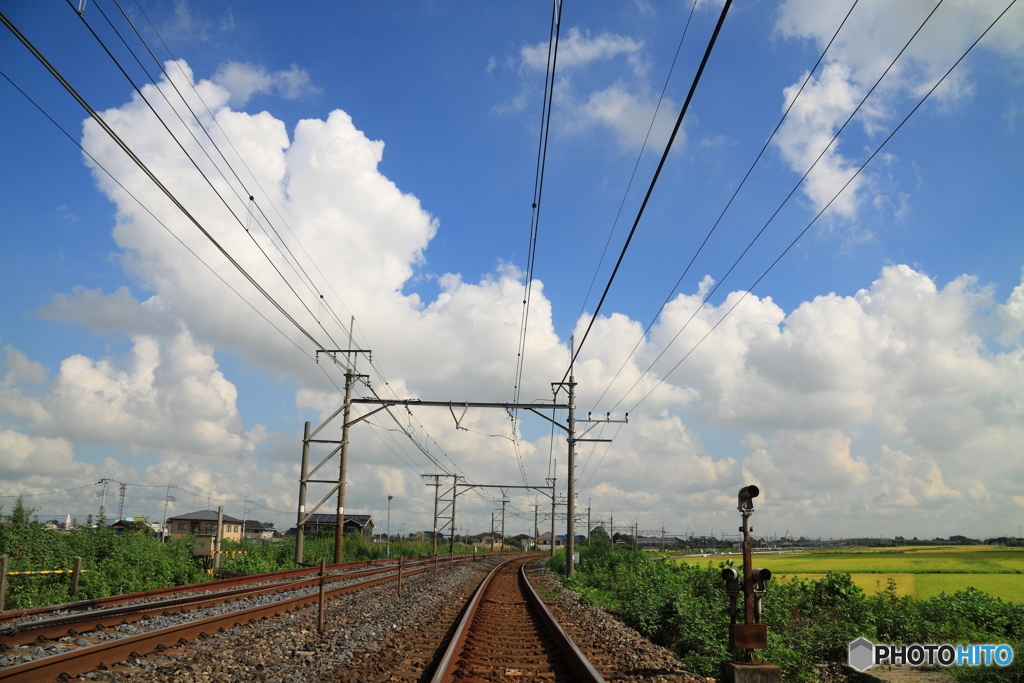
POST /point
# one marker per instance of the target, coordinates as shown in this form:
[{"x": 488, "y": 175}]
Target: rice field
[{"x": 922, "y": 571}]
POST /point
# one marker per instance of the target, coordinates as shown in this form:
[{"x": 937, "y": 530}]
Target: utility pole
[
  {"x": 339, "y": 532},
  {"x": 570, "y": 503},
  {"x": 168, "y": 499},
  {"x": 503, "y": 502},
  {"x": 120, "y": 505},
  {"x": 455, "y": 495},
  {"x": 536, "y": 529},
  {"x": 341, "y": 446},
  {"x": 103, "y": 498},
  {"x": 437, "y": 491},
  {"x": 553, "y": 481},
  {"x": 303, "y": 475},
  {"x": 588, "y": 522}
]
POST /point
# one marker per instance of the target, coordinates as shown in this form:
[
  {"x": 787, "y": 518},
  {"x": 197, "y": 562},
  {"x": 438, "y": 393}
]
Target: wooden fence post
[{"x": 76, "y": 572}]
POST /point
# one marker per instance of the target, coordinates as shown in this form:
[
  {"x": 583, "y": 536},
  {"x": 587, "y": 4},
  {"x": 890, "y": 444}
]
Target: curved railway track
[{"x": 95, "y": 651}]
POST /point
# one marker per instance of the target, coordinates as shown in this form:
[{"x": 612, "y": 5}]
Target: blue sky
[{"x": 879, "y": 362}]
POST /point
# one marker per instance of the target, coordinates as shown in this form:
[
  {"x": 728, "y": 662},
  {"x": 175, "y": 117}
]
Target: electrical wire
[
  {"x": 789, "y": 196},
  {"x": 151, "y": 214},
  {"x": 639, "y": 156},
  {"x": 538, "y": 192},
  {"x": 836, "y": 196},
  {"x": 728, "y": 204},
  {"x": 654, "y": 181},
  {"x": 145, "y": 169}
]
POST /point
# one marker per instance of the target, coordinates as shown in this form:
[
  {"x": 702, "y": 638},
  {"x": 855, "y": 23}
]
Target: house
[
  {"x": 324, "y": 523},
  {"x": 544, "y": 541},
  {"x": 204, "y": 522},
  {"x": 486, "y": 539},
  {"x": 256, "y": 531}
]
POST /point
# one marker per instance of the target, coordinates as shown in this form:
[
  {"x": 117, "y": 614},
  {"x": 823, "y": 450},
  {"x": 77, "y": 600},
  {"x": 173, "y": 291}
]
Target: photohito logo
[{"x": 862, "y": 654}]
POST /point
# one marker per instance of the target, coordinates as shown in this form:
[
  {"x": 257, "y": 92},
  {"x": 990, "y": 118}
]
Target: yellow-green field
[{"x": 922, "y": 572}]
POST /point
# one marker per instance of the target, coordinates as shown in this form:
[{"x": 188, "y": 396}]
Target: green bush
[{"x": 683, "y": 607}]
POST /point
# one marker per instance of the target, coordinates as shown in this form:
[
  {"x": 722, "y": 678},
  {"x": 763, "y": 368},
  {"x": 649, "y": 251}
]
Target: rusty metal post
[
  {"x": 3, "y": 580},
  {"x": 746, "y": 508},
  {"x": 76, "y": 572},
  {"x": 323, "y": 581},
  {"x": 399, "y": 576}
]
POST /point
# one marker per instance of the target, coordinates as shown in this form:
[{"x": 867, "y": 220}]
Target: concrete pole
[
  {"x": 570, "y": 523},
  {"x": 304, "y": 474},
  {"x": 219, "y": 537},
  {"x": 536, "y": 528},
  {"x": 503, "y": 502},
  {"x": 455, "y": 495},
  {"x": 339, "y": 534},
  {"x": 554, "y": 488},
  {"x": 437, "y": 492}
]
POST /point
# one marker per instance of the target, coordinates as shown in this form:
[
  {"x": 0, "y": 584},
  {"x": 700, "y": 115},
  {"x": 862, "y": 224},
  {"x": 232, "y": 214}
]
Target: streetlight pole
[{"x": 389, "y": 527}]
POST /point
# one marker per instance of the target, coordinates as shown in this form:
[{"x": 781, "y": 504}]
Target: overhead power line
[
  {"x": 152, "y": 176},
  {"x": 654, "y": 181},
  {"x": 725, "y": 209},
  {"x": 830, "y": 202},
  {"x": 782, "y": 204}
]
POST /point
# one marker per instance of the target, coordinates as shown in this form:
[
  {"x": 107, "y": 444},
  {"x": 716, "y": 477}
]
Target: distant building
[
  {"x": 317, "y": 523},
  {"x": 204, "y": 522},
  {"x": 485, "y": 539},
  {"x": 256, "y": 531}
]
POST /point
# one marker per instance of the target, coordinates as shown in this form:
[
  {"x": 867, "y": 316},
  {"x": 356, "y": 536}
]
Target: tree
[
  {"x": 20, "y": 515},
  {"x": 269, "y": 525}
]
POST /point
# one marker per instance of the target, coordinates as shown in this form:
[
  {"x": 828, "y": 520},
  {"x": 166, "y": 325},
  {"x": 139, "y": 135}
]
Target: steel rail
[
  {"x": 192, "y": 587},
  {"x": 68, "y": 664},
  {"x": 584, "y": 669},
  {"x": 55, "y": 627},
  {"x": 448, "y": 666}
]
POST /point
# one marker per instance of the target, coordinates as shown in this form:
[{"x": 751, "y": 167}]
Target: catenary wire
[
  {"x": 538, "y": 192},
  {"x": 189, "y": 156},
  {"x": 836, "y": 196},
  {"x": 639, "y": 156},
  {"x": 151, "y": 214},
  {"x": 728, "y": 204},
  {"x": 782, "y": 204},
  {"x": 654, "y": 181}
]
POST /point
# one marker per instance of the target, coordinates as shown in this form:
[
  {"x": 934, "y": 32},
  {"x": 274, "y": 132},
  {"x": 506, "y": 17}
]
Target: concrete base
[{"x": 763, "y": 672}]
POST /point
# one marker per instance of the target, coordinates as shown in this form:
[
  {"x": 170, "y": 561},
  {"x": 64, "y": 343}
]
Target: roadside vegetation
[
  {"x": 135, "y": 560},
  {"x": 682, "y": 606}
]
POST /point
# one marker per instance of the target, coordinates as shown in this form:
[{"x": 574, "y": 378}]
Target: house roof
[
  {"x": 327, "y": 519},
  {"x": 487, "y": 534},
  {"x": 255, "y": 525},
  {"x": 203, "y": 516}
]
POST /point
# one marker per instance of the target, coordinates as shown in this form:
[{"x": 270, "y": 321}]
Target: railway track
[
  {"x": 507, "y": 631},
  {"x": 99, "y": 638},
  {"x": 372, "y": 634}
]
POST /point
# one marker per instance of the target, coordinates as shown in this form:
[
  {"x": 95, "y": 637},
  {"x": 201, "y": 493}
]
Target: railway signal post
[{"x": 752, "y": 634}]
